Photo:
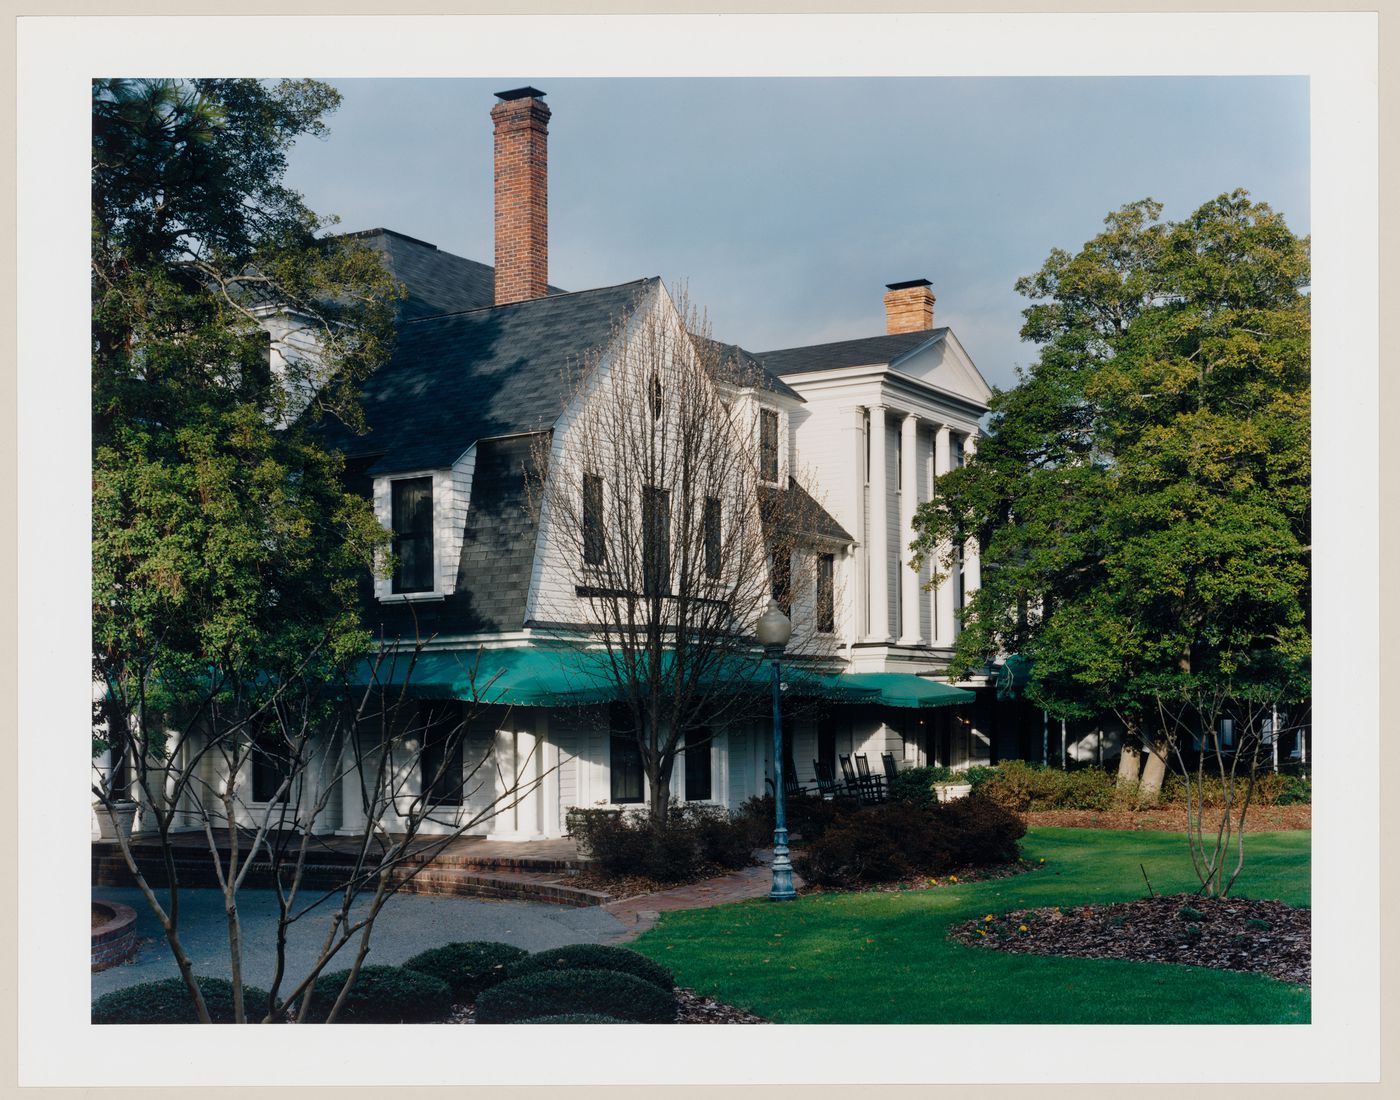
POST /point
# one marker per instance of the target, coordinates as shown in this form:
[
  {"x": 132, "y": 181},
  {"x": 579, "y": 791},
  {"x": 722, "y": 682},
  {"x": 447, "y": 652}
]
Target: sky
[{"x": 787, "y": 204}]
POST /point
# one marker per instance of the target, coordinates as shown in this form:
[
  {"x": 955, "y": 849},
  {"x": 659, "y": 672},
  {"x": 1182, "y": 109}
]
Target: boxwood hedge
[
  {"x": 382, "y": 995},
  {"x": 468, "y": 967},
  {"x": 593, "y": 956},
  {"x": 591, "y": 992},
  {"x": 168, "y": 1002}
]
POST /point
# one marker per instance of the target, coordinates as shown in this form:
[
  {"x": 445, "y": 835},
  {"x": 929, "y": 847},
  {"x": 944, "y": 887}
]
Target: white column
[
  {"x": 551, "y": 820},
  {"x": 972, "y": 555},
  {"x": 352, "y": 802},
  {"x": 856, "y": 573},
  {"x": 877, "y": 553},
  {"x": 943, "y": 617},
  {"x": 911, "y": 634}
]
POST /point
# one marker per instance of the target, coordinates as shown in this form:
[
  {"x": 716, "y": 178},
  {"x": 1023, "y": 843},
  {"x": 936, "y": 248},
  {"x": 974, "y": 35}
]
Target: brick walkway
[{"x": 640, "y": 914}]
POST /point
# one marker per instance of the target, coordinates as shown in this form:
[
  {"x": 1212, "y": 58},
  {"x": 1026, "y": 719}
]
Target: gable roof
[
  {"x": 435, "y": 281},
  {"x": 750, "y": 367},
  {"x": 847, "y": 353},
  {"x": 461, "y": 377}
]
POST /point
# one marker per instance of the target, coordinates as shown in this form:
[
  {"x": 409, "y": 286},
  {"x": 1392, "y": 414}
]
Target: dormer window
[
  {"x": 411, "y": 507},
  {"x": 768, "y": 445}
]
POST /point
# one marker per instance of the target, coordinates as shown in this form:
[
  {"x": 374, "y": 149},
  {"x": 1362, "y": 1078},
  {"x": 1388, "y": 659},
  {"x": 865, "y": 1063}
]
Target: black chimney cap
[
  {"x": 520, "y": 93},
  {"x": 907, "y": 284}
]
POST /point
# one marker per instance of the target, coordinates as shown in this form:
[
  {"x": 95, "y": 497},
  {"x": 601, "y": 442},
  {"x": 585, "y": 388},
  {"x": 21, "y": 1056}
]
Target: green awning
[
  {"x": 525, "y": 677},
  {"x": 901, "y": 689},
  {"x": 1014, "y": 675}
]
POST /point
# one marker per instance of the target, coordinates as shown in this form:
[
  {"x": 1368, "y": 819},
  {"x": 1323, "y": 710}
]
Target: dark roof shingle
[
  {"x": 435, "y": 281},
  {"x": 462, "y": 377},
  {"x": 846, "y": 353}
]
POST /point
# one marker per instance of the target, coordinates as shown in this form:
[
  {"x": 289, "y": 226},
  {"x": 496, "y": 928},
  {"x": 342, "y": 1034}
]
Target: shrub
[
  {"x": 1270, "y": 789},
  {"x": 808, "y": 817},
  {"x": 693, "y": 839},
  {"x": 573, "y": 1018},
  {"x": 975, "y": 830},
  {"x": 916, "y": 784},
  {"x": 1297, "y": 789},
  {"x": 978, "y": 776},
  {"x": 593, "y": 956},
  {"x": 168, "y": 1001},
  {"x": 382, "y": 995},
  {"x": 898, "y": 839},
  {"x": 1020, "y": 787},
  {"x": 560, "y": 992},
  {"x": 724, "y": 840},
  {"x": 469, "y": 967}
]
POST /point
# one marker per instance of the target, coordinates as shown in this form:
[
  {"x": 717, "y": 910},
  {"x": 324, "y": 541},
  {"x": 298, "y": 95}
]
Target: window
[
  {"x": 699, "y": 784},
  {"x": 768, "y": 445},
  {"x": 826, "y": 743},
  {"x": 956, "y": 449},
  {"x": 412, "y": 522},
  {"x": 440, "y": 758},
  {"x": 625, "y": 765},
  {"x": 656, "y": 541},
  {"x": 782, "y": 580},
  {"x": 866, "y": 430},
  {"x": 272, "y": 762},
  {"x": 826, "y": 593},
  {"x": 594, "y": 545},
  {"x": 656, "y": 397},
  {"x": 713, "y": 538}
]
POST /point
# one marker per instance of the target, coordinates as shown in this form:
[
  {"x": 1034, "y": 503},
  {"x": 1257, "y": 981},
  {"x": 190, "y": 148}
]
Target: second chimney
[
  {"x": 908, "y": 306},
  {"x": 522, "y": 195}
]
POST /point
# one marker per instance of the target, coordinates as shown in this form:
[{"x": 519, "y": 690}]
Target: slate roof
[
  {"x": 802, "y": 506},
  {"x": 436, "y": 282},
  {"x": 498, "y": 550},
  {"x": 750, "y": 367},
  {"x": 462, "y": 377},
  {"x": 846, "y": 353}
]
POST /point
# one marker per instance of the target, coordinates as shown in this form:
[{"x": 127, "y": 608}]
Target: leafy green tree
[
  {"x": 226, "y": 549},
  {"x": 1141, "y": 497}
]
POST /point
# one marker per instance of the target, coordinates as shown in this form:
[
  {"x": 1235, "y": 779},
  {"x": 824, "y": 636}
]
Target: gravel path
[{"x": 407, "y": 925}]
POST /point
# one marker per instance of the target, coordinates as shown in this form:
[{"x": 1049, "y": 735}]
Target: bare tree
[
  {"x": 1229, "y": 733},
  {"x": 662, "y": 506},
  {"x": 299, "y": 739}
]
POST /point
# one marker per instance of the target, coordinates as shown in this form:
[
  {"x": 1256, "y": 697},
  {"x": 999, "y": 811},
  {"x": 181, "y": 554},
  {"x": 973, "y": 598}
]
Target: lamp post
[{"x": 774, "y": 629}]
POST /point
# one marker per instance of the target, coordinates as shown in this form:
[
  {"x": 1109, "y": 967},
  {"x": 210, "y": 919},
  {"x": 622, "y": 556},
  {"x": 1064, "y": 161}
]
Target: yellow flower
[
  {"x": 933, "y": 882},
  {"x": 952, "y": 878},
  {"x": 1042, "y": 859},
  {"x": 1023, "y": 928},
  {"x": 988, "y": 918},
  {"x": 981, "y": 931}
]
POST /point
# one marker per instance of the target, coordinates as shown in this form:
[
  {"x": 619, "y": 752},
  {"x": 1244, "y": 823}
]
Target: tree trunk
[
  {"x": 1129, "y": 763},
  {"x": 1154, "y": 770}
]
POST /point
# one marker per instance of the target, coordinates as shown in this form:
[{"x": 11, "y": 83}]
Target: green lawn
[{"x": 883, "y": 958}]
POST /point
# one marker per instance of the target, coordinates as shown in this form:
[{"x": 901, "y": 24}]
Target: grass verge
[{"x": 884, "y": 958}]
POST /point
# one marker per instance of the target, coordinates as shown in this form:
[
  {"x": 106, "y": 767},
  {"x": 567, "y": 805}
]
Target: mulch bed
[
  {"x": 694, "y": 1009},
  {"x": 1171, "y": 819},
  {"x": 1263, "y": 937}
]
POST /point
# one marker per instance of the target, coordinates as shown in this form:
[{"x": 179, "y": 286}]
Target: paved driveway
[{"x": 406, "y": 926}]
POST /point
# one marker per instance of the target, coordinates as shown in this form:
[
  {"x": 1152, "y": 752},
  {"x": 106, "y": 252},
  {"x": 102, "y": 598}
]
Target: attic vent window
[
  {"x": 768, "y": 445},
  {"x": 412, "y": 522}
]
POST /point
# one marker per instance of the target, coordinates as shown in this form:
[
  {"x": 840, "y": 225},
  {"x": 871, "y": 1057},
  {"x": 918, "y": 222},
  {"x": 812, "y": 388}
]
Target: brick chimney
[
  {"x": 909, "y": 306},
  {"x": 522, "y": 195}
]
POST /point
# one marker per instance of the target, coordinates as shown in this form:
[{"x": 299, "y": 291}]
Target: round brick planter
[{"x": 114, "y": 940}]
